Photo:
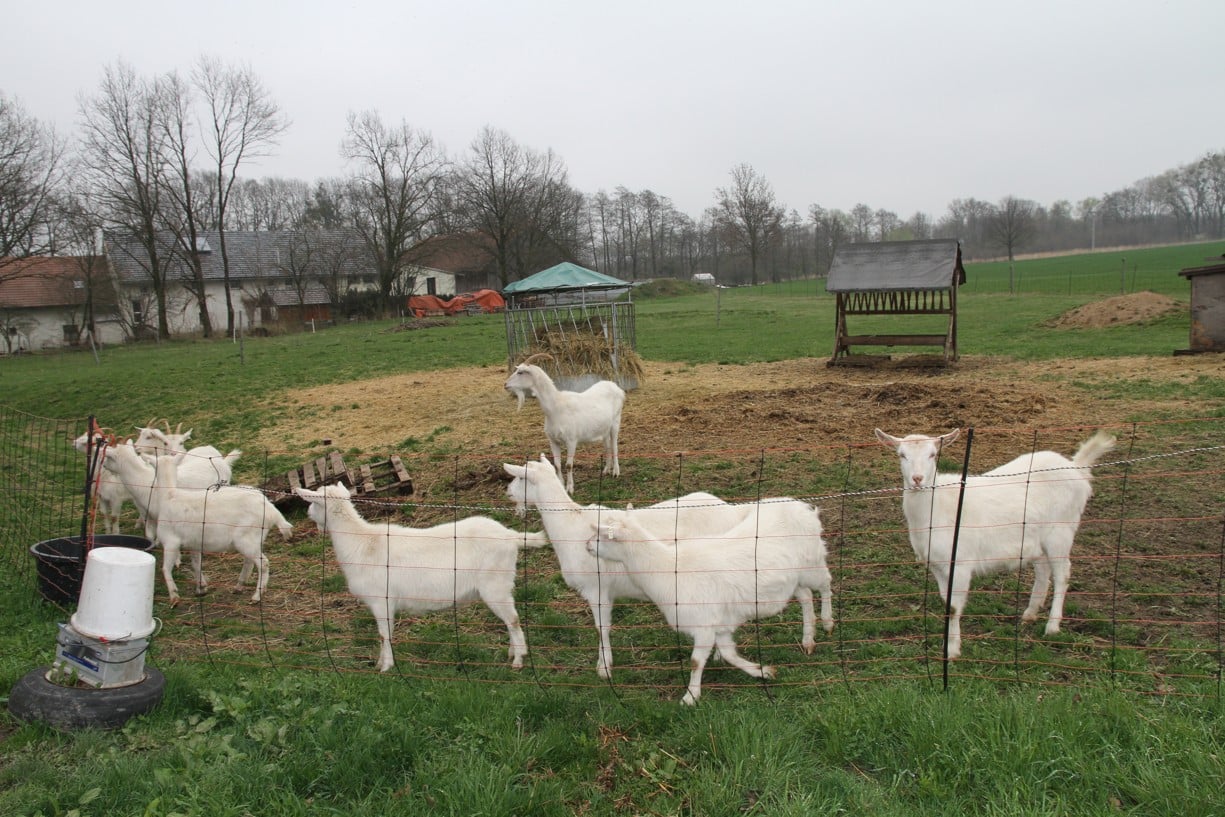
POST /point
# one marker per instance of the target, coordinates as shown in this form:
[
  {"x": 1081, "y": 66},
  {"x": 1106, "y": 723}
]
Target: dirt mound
[{"x": 1139, "y": 307}]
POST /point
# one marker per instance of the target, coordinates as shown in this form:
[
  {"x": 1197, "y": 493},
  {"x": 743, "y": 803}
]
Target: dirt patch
[
  {"x": 1139, "y": 307},
  {"x": 679, "y": 407}
]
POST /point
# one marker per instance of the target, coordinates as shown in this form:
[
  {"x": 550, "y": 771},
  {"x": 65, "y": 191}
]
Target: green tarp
[{"x": 562, "y": 277}]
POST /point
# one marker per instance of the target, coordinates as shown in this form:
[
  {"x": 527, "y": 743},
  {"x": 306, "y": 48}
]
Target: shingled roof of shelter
[{"x": 897, "y": 265}]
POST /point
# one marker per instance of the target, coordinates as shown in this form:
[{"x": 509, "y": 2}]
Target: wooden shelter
[
  {"x": 1207, "y": 306},
  {"x": 896, "y": 279}
]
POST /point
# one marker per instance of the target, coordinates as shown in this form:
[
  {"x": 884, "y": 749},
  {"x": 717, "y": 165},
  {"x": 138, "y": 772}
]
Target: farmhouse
[{"x": 55, "y": 302}]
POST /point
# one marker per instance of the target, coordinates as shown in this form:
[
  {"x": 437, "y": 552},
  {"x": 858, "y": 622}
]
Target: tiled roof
[
  {"x": 45, "y": 281},
  {"x": 253, "y": 256}
]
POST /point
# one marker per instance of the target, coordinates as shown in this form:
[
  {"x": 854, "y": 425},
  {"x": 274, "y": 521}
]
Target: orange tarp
[{"x": 485, "y": 299}]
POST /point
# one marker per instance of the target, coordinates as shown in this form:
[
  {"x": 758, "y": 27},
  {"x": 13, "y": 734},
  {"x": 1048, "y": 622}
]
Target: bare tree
[
  {"x": 244, "y": 123},
  {"x": 748, "y": 212},
  {"x": 862, "y": 218},
  {"x": 394, "y": 191},
  {"x": 1012, "y": 224},
  {"x": 174, "y": 100},
  {"x": 124, "y": 148},
  {"x": 31, "y": 173},
  {"x": 520, "y": 201}
]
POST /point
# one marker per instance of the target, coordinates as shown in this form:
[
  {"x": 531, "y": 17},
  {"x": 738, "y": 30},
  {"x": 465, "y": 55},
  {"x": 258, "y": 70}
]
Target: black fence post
[{"x": 948, "y": 594}]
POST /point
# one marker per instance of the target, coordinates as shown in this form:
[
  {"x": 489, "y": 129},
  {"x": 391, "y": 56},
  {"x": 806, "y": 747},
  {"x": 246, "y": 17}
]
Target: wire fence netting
[{"x": 1143, "y": 609}]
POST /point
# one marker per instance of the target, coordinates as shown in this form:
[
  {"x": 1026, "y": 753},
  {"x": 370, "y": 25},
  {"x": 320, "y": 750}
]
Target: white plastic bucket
[{"x": 116, "y": 601}]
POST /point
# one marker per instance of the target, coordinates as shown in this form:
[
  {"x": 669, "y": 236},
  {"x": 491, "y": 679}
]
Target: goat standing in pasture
[
  {"x": 706, "y": 587},
  {"x": 1025, "y": 511},
  {"x": 418, "y": 570},
  {"x": 228, "y": 518},
  {"x": 600, "y": 582},
  {"x": 571, "y": 417}
]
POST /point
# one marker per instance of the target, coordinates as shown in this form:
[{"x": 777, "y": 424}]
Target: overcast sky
[{"x": 896, "y": 104}]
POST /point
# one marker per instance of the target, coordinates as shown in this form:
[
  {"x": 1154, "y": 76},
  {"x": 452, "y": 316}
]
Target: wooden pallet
[
  {"x": 375, "y": 479},
  {"x": 382, "y": 478}
]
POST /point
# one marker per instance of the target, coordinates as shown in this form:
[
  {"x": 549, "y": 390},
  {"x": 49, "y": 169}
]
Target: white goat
[
  {"x": 215, "y": 520},
  {"x": 146, "y": 486},
  {"x": 706, "y": 587},
  {"x": 110, "y": 492},
  {"x": 417, "y": 570},
  {"x": 600, "y": 582},
  {"x": 153, "y": 442},
  {"x": 574, "y": 417},
  {"x": 1024, "y": 511}
]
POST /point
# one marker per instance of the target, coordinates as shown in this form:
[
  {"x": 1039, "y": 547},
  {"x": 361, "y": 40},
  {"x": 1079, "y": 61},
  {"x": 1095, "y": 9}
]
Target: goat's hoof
[
  {"x": 689, "y": 700},
  {"x": 809, "y": 647},
  {"x": 767, "y": 672},
  {"x": 603, "y": 672},
  {"x": 1052, "y": 628}
]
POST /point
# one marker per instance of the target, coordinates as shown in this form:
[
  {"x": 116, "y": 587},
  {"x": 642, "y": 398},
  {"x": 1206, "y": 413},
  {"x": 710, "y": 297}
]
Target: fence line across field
[{"x": 1145, "y": 609}]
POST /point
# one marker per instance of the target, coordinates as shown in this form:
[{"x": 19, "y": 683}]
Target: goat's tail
[
  {"x": 1092, "y": 449},
  {"x": 282, "y": 524},
  {"x": 232, "y": 456},
  {"x": 534, "y": 539}
]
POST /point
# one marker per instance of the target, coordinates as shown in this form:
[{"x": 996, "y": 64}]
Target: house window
[
  {"x": 431, "y": 286},
  {"x": 138, "y": 313},
  {"x": 71, "y": 334}
]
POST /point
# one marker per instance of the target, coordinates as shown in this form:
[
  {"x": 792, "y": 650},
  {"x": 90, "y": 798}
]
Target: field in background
[{"x": 268, "y": 729}]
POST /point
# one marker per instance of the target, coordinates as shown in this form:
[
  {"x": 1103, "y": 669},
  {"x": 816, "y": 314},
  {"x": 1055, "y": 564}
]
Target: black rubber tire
[{"x": 34, "y": 698}]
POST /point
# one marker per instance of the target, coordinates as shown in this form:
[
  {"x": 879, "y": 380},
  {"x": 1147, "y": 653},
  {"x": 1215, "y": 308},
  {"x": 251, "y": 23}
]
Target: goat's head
[
  {"x": 523, "y": 477},
  {"x": 609, "y": 539},
  {"x": 918, "y": 455},
  {"x": 318, "y": 505},
  {"x": 523, "y": 379}
]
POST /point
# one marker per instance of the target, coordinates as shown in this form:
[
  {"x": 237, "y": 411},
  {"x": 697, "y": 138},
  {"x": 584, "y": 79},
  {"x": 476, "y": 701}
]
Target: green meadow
[{"x": 1067, "y": 735}]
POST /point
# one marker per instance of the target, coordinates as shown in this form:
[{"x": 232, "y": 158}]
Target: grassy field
[{"x": 275, "y": 737}]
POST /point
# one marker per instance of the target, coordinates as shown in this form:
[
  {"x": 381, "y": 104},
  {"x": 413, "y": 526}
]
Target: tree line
[{"x": 162, "y": 156}]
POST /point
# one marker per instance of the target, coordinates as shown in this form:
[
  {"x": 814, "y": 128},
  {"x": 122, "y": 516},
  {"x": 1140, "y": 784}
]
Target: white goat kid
[
  {"x": 228, "y": 518},
  {"x": 393, "y": 568},
  {"x": 571, "y": 417},
  {"x": 1025, "y": 511},
  {"x": 601, "y": 582},
  {"x": 707, "y": 587}
]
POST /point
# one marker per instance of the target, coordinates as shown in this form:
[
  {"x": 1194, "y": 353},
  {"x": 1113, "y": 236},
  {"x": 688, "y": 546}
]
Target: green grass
[{"x": 1055, "y": 733}]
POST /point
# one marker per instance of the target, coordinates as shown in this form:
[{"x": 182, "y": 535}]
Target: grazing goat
[
  {"x": 215, "y": 520},
  {"x": 706, "y": 587},
  {"x": 600, "y": 583},
  {"x": 574, "y": 417},
  {"x": 417, "y": 570},
  {"x": 1024, "y": 511},
  {"x": 110, "y": 492}
]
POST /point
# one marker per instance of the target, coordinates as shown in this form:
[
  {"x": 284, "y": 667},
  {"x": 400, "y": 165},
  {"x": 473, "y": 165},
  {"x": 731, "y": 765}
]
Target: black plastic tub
[{"x": 61, "y": 563}]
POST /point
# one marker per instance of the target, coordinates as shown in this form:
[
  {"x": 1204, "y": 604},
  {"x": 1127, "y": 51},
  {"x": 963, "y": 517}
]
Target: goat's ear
[
  {"x": 886, "y": 439},
  {"x": 187, "y": 435},
  {"x": 545, "y": 459},
  {"x": 516, "y": 471},
  {"x": 309, "y": 496},
  {"x": 946, "y": 439}
]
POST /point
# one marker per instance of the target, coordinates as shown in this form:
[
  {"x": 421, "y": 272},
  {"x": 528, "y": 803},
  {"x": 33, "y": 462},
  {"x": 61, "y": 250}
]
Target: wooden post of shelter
[{"x": 896, "y": 278}]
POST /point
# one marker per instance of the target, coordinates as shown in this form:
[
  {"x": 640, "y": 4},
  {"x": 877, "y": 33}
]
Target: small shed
[
  {"x": 1207, "y": 306},
  {"x": 895, "y": 279},
  {"x": 578, "y": 317}
]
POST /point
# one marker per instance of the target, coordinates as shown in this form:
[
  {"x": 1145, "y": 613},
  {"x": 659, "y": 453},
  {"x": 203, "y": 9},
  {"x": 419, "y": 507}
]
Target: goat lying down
[
  {"x": 393, "y": 568},
  {"x": 1024, "y": 512}
]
